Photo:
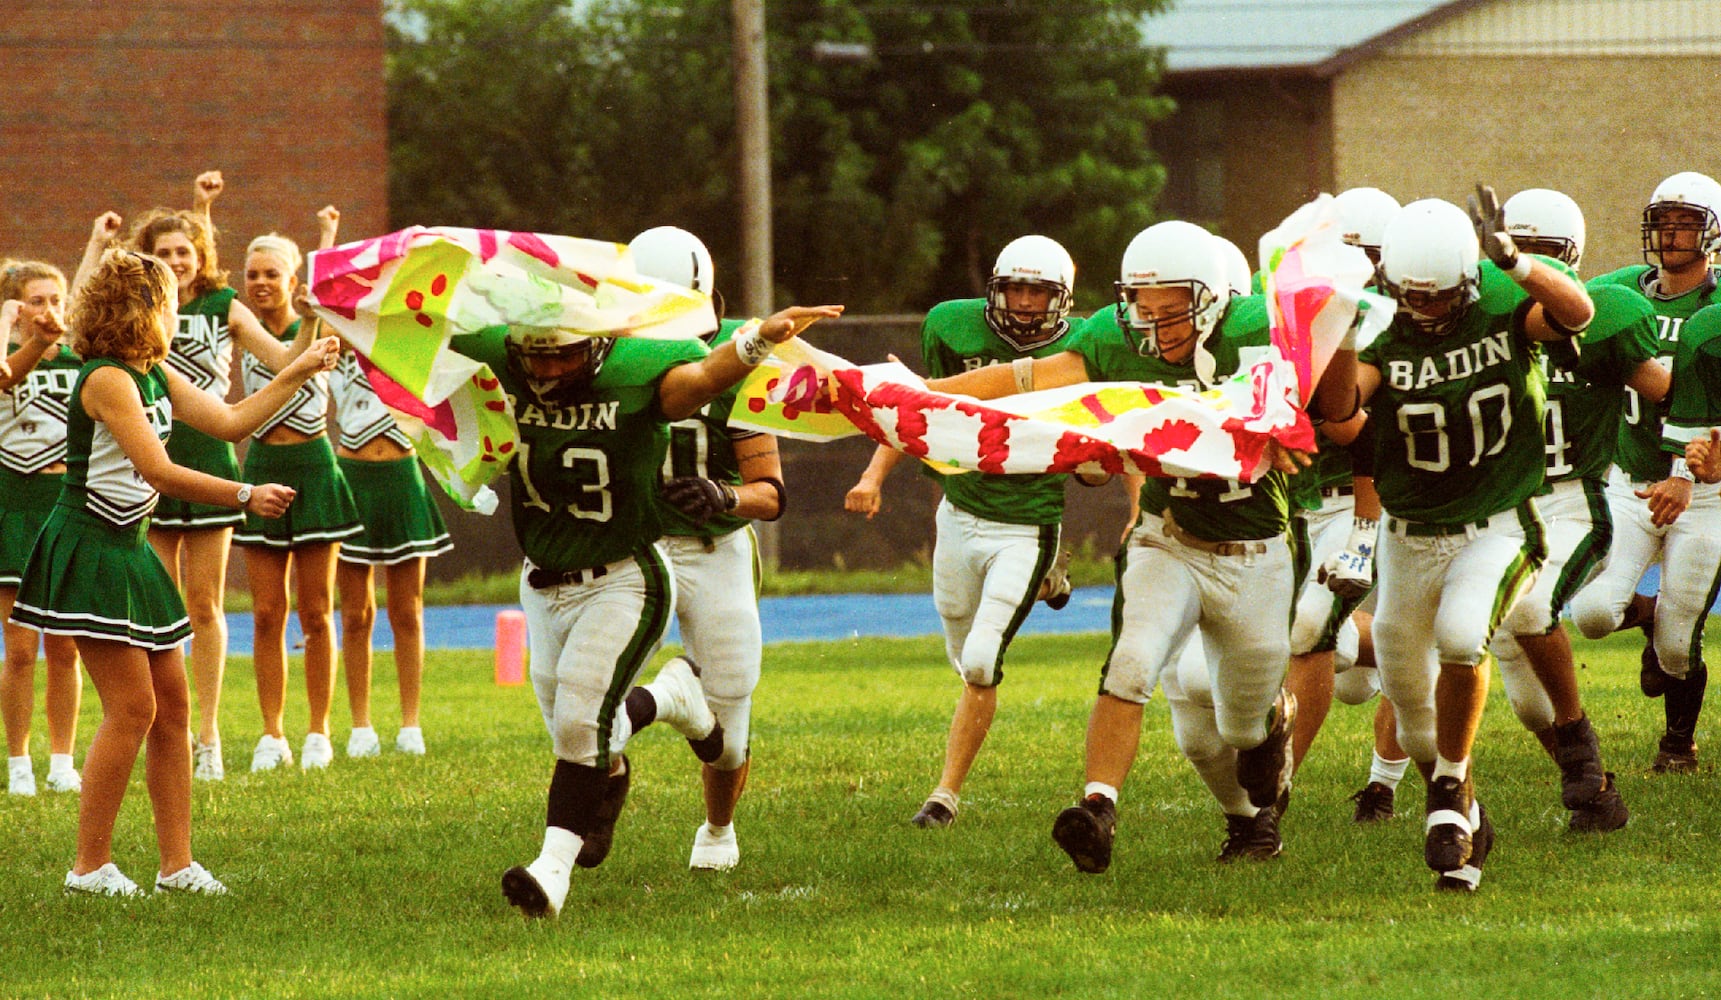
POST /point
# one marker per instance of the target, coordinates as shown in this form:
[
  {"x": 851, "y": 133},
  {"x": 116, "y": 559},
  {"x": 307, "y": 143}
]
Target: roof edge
[{"x": 1428, "y": 19}]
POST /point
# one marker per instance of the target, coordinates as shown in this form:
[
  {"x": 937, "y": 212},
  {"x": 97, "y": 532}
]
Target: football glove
[
  {"x": 1490, "y": 219},
  {"x": 699, "y": 498},
  {"x": 1350, "y": 573}
]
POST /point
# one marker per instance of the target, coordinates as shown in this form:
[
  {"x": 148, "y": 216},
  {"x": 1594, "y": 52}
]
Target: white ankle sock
[
  {"x": 944, "y": 797},
  {"x": 1388, "y": 772},
  {"x": 561, "y": 846},
  {"x": 1101, "y": 787},
  {"x": 60, "y": 763},
  {"x": 1444, "y": 768}
]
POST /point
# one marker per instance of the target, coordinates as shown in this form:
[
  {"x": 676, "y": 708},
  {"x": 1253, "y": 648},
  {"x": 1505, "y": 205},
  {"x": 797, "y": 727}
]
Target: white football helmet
[
  {"x": 676, "y": 256},
  {"x": 1547, "y": 222},
  {"x": 1031, "y": 260},
  {"x": 1173, "y": 254},
  {"x": 527, "y": 348},
  {"x": 1237, "y": 268},
  {"x": 1689, "y": 190},
  {"x": 1428, "y": 264},
  {"x": 1363, "y": 215}
]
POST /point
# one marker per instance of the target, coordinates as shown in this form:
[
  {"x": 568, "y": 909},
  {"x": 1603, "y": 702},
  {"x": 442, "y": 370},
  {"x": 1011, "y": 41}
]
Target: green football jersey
[
  {"x": 1696, "y": 397},
  {"x": 1586, "y": 400},
  {"x": 704, "y": 446},
  {"x": 956, "y": 338},
  {"x": 584, "y": 484},
  {"x": 1458, "y": 418},
  {"x": 1639, "y": 452},
  {"x": 1218, "y": 510}
]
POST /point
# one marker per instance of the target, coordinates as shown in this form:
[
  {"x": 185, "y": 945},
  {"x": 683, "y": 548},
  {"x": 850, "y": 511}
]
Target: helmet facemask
[
  {"x": 1143, "y": 331},
  {"x": 1418, "y": 302},
  {"x": 1026, "y": 331},
  {"x": 558, "y": 369},
  {"x": 1660, "y": 231}
]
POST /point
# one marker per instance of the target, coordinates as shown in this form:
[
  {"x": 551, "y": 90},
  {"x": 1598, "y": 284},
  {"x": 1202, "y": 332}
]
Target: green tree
[{"x": 897, "y": 176}]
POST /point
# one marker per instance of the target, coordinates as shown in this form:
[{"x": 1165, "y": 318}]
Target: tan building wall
[{"x": 1592, "y": 126}]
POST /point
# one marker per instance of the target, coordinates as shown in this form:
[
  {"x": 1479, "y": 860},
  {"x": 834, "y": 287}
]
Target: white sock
[
  {"x": 60, "y": 763},
  {"x": 561, "y": 846},
  {"x": 713, "y": 830},
  {"x": 18, "y": 763},
  {"x": 364, "y": 729},
  {"x": 1101, "y": 787},
  {"x": 414, "y": 730},
  {"x": 1388, "y": 772},
  {"x": 944, "y": 797},
  {"x": 1444, "y": 768}
]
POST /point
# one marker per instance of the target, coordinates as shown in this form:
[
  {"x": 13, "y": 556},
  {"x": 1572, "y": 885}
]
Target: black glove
[
  {"x": 698, "y": 498},
  {"x": 1490, "y": 220}
]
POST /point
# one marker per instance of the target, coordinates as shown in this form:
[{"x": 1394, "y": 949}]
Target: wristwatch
[{"x": 244, "y": 495}]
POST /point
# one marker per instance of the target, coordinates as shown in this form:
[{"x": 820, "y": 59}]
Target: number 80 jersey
[
  {"x": 584, "y": 483},
  {"x": 1458, "y": 418}
]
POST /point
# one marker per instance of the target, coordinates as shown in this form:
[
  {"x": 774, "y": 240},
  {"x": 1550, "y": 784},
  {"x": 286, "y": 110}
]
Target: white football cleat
[
  {"x": 410, "y": 741},
  {"x": 363, "y": 743},
  {"x": 107, "y": 880},
  {"x": 21, "y": 777},
  {"x": 681, "y": 701},
  {"x": 206, "y": 762},
  {"x": 271, "y": 752},
  {"x": 317, "y": 753},
  {"x": 712, "y": 851},
  {"x": 193, "y": 879},
  {"x": 538, "y": 889}
]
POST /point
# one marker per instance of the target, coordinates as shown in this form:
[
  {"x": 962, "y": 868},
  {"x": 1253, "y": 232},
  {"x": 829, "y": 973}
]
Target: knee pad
[{"x": 1356, "y": 685}]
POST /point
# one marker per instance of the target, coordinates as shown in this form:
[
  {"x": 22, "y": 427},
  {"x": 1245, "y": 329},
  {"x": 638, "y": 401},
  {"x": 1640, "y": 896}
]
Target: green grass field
[{"x": 380, "y": 877}]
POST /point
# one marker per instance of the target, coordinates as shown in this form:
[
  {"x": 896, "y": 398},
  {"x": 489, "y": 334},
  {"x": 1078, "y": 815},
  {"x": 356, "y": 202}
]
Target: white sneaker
[
  {"x": 22, "y": 776},
  {"x": 107, "y": 880},
  {"x": 317, "y": 753},
  {"x": 66, "y": 780},
  {"x": 194, "y": 879},
  {"x": 271, "y": 752},
  {"x": 362, "y": 743},
  {"x": 410, "y": 740},
  {"x": 681, "y": 701},
  {"x": 539, "y": 889},
  {"x": 714, "y": 852},
  {"x": 206, "y": 758}
]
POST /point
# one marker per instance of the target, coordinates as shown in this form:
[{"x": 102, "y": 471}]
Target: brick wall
[{"x": 117, "y": 105}]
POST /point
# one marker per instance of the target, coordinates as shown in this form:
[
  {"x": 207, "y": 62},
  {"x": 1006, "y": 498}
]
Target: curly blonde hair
[
  {"x": 119, "y": 314},
  {"x": 16, "y": 274},
  {"x": 157, "y": 222}
]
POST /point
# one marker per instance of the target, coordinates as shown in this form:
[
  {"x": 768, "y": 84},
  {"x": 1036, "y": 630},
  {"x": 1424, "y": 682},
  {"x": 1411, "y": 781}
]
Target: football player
[
  {"x": 594, "y": 416},
  {"x": 716, "y": 483},
  {"x": 1456, "y": 400},
  {"x": 1681, "y": 234},
  {"x": 996, "y": 549},
  {"x": 1586, "y": 398},
  {"x": 1196, "y": 542}
]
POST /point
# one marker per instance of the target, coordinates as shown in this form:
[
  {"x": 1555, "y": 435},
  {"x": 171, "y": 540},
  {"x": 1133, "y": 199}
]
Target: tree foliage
[{"x": 896, "y": 176}]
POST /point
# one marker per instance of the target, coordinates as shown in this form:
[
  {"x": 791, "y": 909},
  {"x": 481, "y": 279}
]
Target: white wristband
[
  {"x": 1681, "y": 471},
  {"x": 751, "y": 347},
  {"x": 1023, "y": 369},
  {"x": 1522, "y": 269}
]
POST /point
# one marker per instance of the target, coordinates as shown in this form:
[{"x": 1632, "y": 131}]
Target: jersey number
[
  {"x": 1423, "y": 425},
  {"x": 1554, "y": 433},
  {"x": 591, "y": 468},
  {"x": 688, "y": 440},
  {"x": 1234, "y": 491}
]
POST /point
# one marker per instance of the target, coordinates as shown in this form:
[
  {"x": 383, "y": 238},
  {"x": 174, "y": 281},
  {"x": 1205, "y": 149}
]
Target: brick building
[
  {"x": 118, "y": 105},
  {"x": 1281, "y": 99}
]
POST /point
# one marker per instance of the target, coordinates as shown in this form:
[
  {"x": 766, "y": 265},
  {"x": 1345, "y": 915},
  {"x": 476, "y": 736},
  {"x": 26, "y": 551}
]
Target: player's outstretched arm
[
  {"x": 1563, "y": 309},
  {"x": 685, "y": 388},
  {"x": 1022, "y": 375},
  {"x": 866, "y": 496}
]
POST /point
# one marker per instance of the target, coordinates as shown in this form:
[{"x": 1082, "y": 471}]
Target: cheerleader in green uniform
[
  {"x": 402, "y": 529},
  {"x": 93, "y": 576},
  {"x": 292, "y": 447},
  {"x": 193, "y": 539},
  {"x": 32, "y": 458}
]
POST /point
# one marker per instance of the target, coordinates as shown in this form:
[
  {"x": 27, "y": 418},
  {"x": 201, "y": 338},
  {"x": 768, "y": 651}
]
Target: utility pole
[{"x": 753, "y": 184}]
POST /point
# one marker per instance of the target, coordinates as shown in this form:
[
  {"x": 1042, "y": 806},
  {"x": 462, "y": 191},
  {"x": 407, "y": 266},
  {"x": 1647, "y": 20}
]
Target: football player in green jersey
[
  {"x": 997, "y": 536},
  {"x": 1456, "y": 399},
  {"x": 1195, "y": 545},
  {"x": 716, "y": 483},
  {"x": 1681, "y": 235},
  {"x": 34, "y": 395},
  {"x": 594, "y": 416},
  {"x": 1586, "y": 399}
]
